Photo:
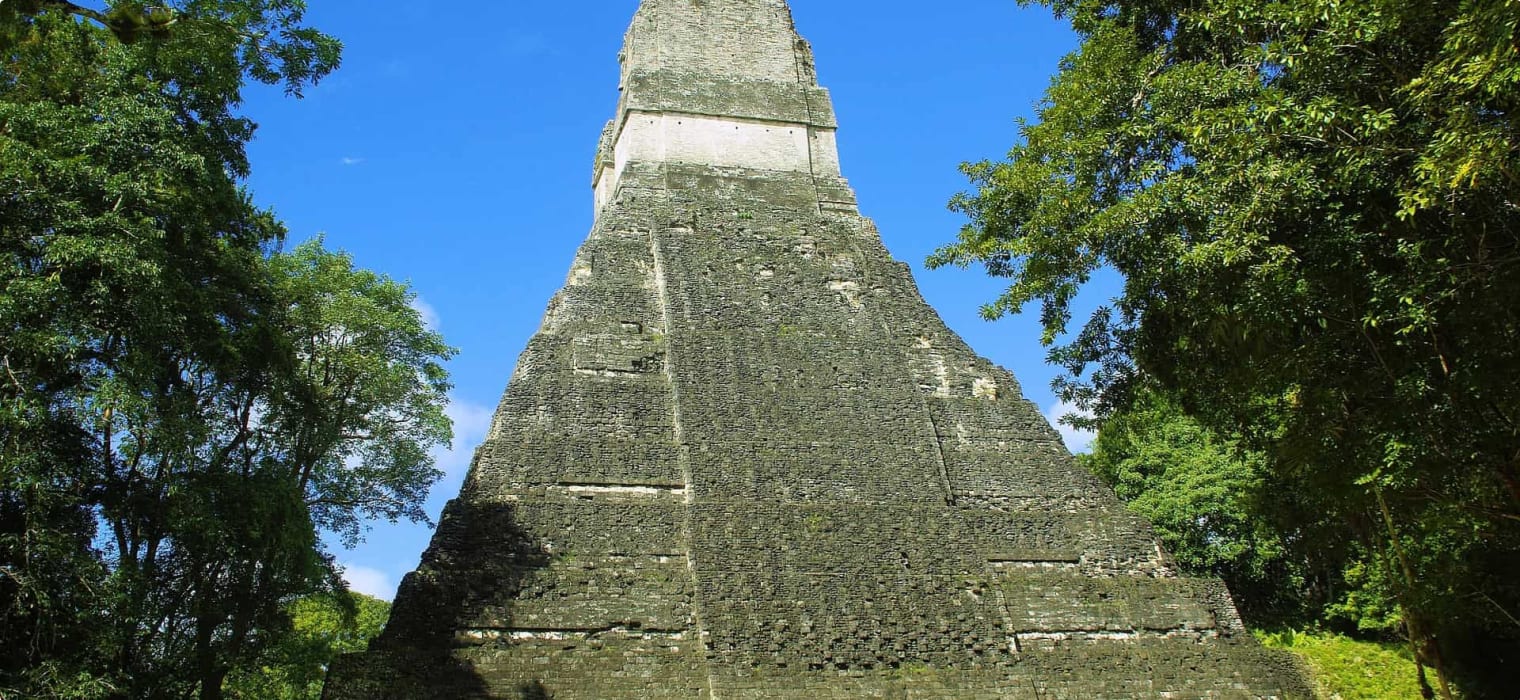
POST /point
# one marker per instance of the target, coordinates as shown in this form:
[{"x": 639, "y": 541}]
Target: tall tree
[
  {"x": 217, "y": 484},
  {"x": 1312, "y": 206},
  {"x": 182, "y": 407}
]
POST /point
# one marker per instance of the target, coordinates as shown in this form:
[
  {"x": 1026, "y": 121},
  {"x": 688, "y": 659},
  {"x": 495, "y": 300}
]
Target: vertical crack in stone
[{"x": 682, "y": 458}]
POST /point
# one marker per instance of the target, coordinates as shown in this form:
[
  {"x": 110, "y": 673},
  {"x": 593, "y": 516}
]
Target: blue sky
[{"x": 453, "y": 150}]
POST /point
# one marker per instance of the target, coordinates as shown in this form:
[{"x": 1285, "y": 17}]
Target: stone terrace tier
[{"x": 743, "y": 459}]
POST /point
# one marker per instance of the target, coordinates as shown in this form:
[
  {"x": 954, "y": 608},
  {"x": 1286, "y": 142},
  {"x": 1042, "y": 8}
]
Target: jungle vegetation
[
  {"x": 186, "y": 403},
  {"x": 1311, "y": 373}
]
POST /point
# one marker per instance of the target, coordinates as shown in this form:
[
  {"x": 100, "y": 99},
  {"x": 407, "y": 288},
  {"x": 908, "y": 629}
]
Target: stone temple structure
[{"x": 743, "y": 459}]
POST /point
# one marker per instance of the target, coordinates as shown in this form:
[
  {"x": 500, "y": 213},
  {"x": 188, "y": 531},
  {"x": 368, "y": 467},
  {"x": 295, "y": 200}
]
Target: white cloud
[
  {"x": 350, "y": 160},
  {"x": 471, "y": 420},
  {"x": 430, "y": 317},
  {"x": 371, "y": 582},
  {"x": 1077, "y": 441},
  {"x": 471, "y": 423}
]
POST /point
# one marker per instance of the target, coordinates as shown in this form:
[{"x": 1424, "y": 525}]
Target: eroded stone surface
[{"x": 743, "y": 459}]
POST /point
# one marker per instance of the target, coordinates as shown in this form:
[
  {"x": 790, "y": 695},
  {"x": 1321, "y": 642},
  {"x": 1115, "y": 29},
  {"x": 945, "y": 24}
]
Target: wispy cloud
[
  {"x": 371, "y": 582},
  {"x": 471, "y": 420},
  {"x": 396, "y": 69},
  {"x": 350, "y": 160},
  {"x": 471, "y": 423},
  {"x": 429, "y": 315},
  {"x": 1077, "y": 441}
]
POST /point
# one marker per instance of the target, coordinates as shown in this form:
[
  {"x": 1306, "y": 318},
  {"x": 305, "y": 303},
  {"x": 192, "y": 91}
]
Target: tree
[
  {"x": 1220, "y": 511},
  {"x": 1194, "y": 489},
  {"x": 323, "y": 628},
  {"x": 1312, "y": 207},
  {"x": 117, "y": 212},
  {"x": 221, "y": 484},
  {"x": 182, "y": 406}
]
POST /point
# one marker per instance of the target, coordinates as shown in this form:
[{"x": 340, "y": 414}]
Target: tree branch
[
  {"x": 71, "y": 9},
  {"x": 20, "y": 389}
]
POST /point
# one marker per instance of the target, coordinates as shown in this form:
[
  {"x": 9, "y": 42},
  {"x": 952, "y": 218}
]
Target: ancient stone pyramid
[{"x": 743, "y": 459}]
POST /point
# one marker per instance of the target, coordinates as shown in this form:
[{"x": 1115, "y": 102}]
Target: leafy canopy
[
  {"x": 1220, "y": 511},
  {"x": 183, "y": 406},
  {"x": 323, "y": 627},
  {"x": 1311, "y": 203}
]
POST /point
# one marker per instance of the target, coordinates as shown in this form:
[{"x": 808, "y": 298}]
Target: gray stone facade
[{"x": 743, "y": 459}]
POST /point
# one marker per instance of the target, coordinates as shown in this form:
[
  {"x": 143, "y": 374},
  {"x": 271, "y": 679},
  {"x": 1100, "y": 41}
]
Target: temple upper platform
[{"x": 728, "y": 84}]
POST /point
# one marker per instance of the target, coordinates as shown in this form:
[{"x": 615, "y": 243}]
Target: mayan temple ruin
[{"x": 742, "y": 458}]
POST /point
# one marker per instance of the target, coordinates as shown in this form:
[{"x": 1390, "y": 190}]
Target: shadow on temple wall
[
  {"x": 457, "y": 602},
  {"x": 534, "y": 691}
]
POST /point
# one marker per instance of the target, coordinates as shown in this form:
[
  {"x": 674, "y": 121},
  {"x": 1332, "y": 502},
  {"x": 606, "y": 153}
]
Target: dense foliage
[
  {"x": 183, "y": 407},
  {"x": 1312, "y": 204},
  {"x": 323, "y": 627},
  {"x": 1220, "y": 511}
]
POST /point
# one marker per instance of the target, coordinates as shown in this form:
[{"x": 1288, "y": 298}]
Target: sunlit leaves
[
  {"x": 183, "y": 407},
  {"x": 322, "y": 628},
  {"x": 1311, "y": 203}
]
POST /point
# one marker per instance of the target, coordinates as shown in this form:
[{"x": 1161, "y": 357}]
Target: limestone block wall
[
  {"x": 752, "y": 40},
  {"x": 743, "y": 460},
  {"x": 721, "y": 141},
  {"x": 727, "y": 84}
]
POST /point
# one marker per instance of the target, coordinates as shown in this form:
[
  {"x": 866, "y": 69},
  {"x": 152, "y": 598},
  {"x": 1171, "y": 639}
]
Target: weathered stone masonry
[{"x": 743, "y": 459}]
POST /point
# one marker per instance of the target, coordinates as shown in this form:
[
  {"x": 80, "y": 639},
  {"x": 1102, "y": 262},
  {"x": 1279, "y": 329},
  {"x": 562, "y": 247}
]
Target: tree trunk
[
  {"x": 1422, "y": 644},
  {"x": 211, "y": 683},
  {"x": 210, "y": 672},
  {"x": 1508, "y": 475},
  {"x": 1425, "y": 690}
]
